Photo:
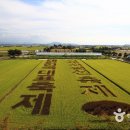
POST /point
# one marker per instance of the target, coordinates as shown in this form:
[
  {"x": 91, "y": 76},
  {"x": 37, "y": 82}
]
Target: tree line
[{"x": 13, "y": 53}]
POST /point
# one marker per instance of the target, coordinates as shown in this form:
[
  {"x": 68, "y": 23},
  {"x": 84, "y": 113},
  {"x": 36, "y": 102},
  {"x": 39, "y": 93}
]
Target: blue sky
[
  {"x": 33, "y": 2},
  {"x": 73, "y": 21}
]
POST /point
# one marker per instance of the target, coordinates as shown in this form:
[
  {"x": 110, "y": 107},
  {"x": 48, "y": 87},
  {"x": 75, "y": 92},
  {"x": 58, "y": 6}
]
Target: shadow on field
[{"x": 105, "y": 107}]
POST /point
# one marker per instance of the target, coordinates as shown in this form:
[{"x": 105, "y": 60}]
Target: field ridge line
[
  {"x": 107, "y": 78},
  {"x": 12, "y": 89}
]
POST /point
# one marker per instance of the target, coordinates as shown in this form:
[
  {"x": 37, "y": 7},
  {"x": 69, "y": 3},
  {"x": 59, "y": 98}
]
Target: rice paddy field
[
  {"x": 29, "y": 48},
  {"x": 63, "y": 94}
]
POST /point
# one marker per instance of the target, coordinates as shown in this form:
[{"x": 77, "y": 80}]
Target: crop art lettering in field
[
  {"x": 45, "y": 83},
  {"x": 92, "y": 84}
]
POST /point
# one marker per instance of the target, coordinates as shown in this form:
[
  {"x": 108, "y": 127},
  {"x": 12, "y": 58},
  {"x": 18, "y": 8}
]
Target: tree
[
  {"x": 47, "y": 49},
  {"x": 125, "y": 55},
  {"x": 103, "y": 49},
  {"x": 114, "y": 54},
  {"x": 55, "y": 46},
  {"x": 120, "y": 55},
  {"x": 64, "y": 47},
  {"x": 13, "y": 53},
  {"x": 80, "y": 50}
]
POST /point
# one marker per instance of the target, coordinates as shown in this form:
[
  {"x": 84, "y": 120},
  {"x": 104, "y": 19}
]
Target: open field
[
  {"x": 51, "y": 93},
  {"x": 29, "y": 48},
  {"x": 117, "y": 71},
  {"x": 12, "y": 72}
]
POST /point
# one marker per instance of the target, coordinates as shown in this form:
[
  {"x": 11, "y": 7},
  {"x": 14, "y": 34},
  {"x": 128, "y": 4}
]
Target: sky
[{"x": 66, "y": 21}]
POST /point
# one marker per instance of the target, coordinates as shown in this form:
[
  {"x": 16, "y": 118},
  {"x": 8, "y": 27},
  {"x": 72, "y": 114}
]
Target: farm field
[
  {"x": 51, "y": 93},
  {"x": 29, "y": 48},
  {"x": 117, "y": 71},
  {"x": 13, "y": 72}
]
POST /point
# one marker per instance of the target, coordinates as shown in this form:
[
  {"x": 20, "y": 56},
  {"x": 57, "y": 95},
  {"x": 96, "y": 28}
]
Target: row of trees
[
  {"x": 115, "y": 54},
  {"x": 109, "y": 51},
  {"x": 104, "y": 50},
  {"x": 48, "y": 49}
]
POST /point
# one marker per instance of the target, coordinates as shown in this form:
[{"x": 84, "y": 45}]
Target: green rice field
[
  {"x": 49, "y": 94},
  {"x": 29, "y": 48}
]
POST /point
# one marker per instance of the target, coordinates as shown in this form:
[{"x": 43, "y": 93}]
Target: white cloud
[{"x": 94, "y": 21}]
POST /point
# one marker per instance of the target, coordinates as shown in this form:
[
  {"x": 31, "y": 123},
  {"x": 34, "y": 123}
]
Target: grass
[
  {"x": 29, "y": 48},
  {"x": 115, "y": 70},
  {"x": 67, "y": 99},
  {"x": 12, "y": 72}
]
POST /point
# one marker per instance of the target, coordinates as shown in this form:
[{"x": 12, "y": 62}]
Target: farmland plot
[
  {"x": 54, "y": 96},
  {"x": 118, "y": 71},
  {"x": 13, "y": 72}
]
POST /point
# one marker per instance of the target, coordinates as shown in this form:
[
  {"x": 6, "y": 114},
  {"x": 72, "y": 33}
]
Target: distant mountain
[
  {"x": 58, "y": 43},
  {"x": 127, "y": 45}
]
